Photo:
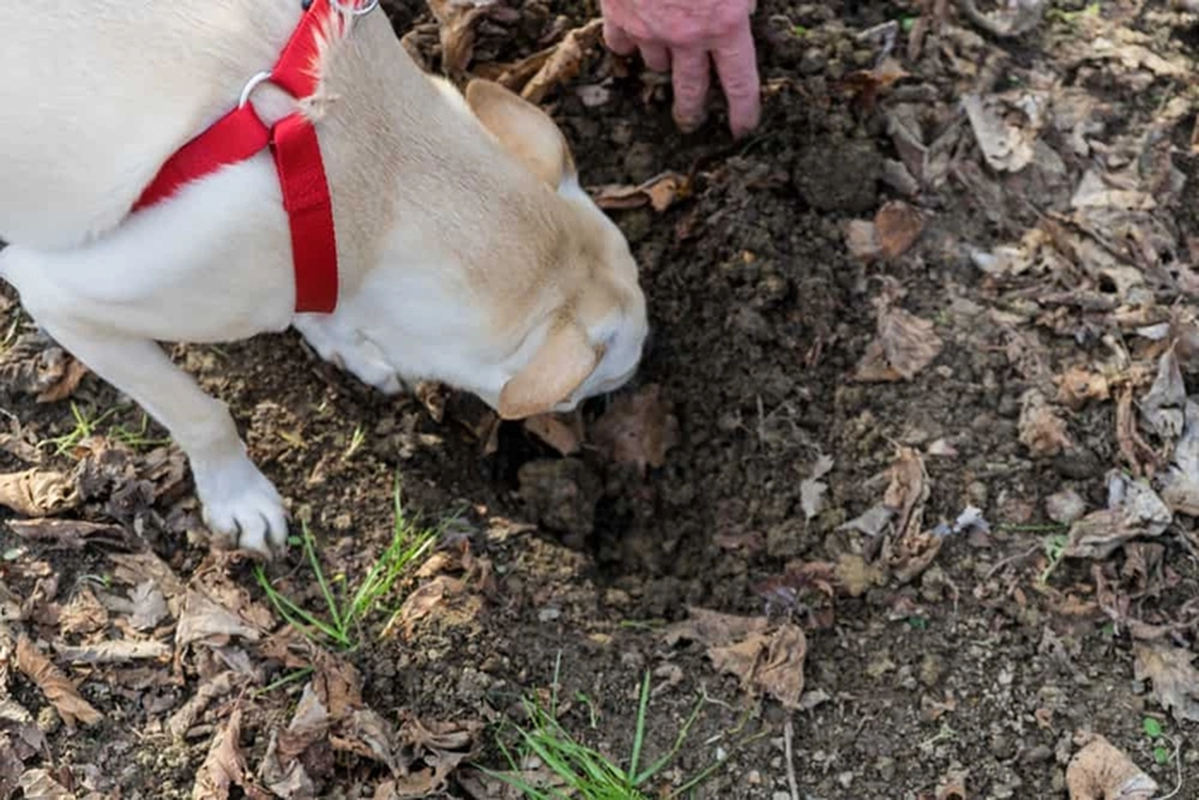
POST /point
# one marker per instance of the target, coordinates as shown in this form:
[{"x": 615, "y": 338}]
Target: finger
[
  {"x": 692, "y": 76},
  {"x": 737, "y": 66},
  {"x": 656, "y": 56},
  {"x": 617, "y": 39}
]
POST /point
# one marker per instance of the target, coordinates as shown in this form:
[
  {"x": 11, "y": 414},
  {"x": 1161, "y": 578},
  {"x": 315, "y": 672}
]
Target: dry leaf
[
  {"x": 65, "y": 386},
  {"x": 771, "y": 661},
  {"x": 38, "y": 492},
  {"x": 1134, "y": 510},
  {"x": 659, "y": 192},
  {"x": 866, "y": 85},
  {"x": 1175, "y": 679},
  {"x": 714, "y": 628},
  {"x": 812, "y": 489},
  {"x": 1042, "y": 430},
  {"x": 897, "y": 226},
  {"x": 905, "y": 344},
  {"x": 224, "y": 766},
  {"x": 1101, "y": 771},
  {"x": 862, "y": 240},
  {"x": 1006, "y": 127},
  {"x": 220, "y": 685},
  {"x": 34, "y": 364},
  {"x": 1180, "y": 484},
  {"x": 74, "y": 534},
  {"x": 203, "y": 619},
  {"x": 457, "y": 19},
  {"x": 563, "y": 432},
  {"x": 83, "y": 614},
  {"x": 40, "y": 784},
  {"x": 1162, "y": 407},
  {"x": 57, "y": 688},
  {"x": 423, "y": 602},
  {"x": 565, "y": 62},
  {"x": 1077, "y": 386},
  {"x": 638, "y": 429}
]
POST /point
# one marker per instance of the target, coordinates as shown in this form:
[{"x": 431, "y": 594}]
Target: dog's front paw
[{"x": 240, "y": 503}]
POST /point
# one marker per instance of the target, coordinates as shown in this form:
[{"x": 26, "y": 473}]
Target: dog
[{"x": 465, "y": 250}]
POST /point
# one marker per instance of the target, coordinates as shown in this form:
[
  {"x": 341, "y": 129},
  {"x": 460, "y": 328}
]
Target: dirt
[{"x": 979, "y": 669}]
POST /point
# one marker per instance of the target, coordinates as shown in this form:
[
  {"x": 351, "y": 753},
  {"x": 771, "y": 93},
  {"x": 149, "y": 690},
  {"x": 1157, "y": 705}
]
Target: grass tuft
[
  {"x": 345, "y": 611},
  {"x": 582, "y": 772}
]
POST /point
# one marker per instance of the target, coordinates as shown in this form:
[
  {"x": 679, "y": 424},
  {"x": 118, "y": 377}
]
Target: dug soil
[{"x": 854, "y": 426}]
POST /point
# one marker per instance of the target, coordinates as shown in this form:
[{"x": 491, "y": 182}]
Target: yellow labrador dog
[{"x": 464, "y": 249}]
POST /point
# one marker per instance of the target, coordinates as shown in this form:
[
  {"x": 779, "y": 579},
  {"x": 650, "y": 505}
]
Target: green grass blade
[{"x": 639, "y": 735}]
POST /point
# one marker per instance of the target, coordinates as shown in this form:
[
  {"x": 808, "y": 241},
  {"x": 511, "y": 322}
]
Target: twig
[
  {"x": 788, "y": 735},
  {"x": 1177, "y": 766},
  {"x": 993, "y": 571}
]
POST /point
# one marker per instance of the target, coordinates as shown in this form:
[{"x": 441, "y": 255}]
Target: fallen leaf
[
  {"x": 765, "y": 659},
  {"x": 1180, "y": 484},
  {"x": 812, "y": 489},
  {"x": 861, "y": 238},
  {"x": 224, "y": 767},
  {"x": 148, "y": 606},
  {"x": 214, "y": 688},
  {"x": 83, "y": 614},
  {"x": 203, "y": 619},
  {"x": 856, "y": 576},
  {"x": 35, "y": 365},
  {"x": 1175, "y": 679},
  {"x": 638, "y": 429},
  {"x": 74, "y": 534},
  {"x": 1006, "y": 127},
  {"x": 1101, "y": 771},
  {"x": 563, "y": 432},
  {"x": 713, "y": 627},
  {"x": 1078, "y": 386},
  {"x": 52, "y": 683},
  {"x": 1162, "y": 406},
  {"x": 565, "y": 62},
  {"x": 897, "y": 226},
  {"x": 659, "y": 192},
  {"x": 38, "y": 492},
  {"x": 1134, "y": 510},
  {"x": 457, "y": 20},
  {"x": 65, "y": 386},
  {"x": 865, "y": 86},
  {"x": 871, "y": 522},
  {"x": 39, "y": 783},
  {"x": 422, "y": 602},
  {"x": 905, "y": 344},
  {"x": 1042, "y": 430}
]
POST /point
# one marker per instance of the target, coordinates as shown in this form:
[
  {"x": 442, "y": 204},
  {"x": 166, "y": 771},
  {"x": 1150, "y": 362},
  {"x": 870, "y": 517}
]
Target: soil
[{"x": 975, "y": 671}]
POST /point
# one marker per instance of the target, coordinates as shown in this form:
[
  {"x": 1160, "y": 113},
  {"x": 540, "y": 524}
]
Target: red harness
[{"x": 293, "y": 143}]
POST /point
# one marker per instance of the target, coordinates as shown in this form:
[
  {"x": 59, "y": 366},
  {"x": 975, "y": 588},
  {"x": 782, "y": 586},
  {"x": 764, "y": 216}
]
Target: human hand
[{"x": 686, "y": 37}]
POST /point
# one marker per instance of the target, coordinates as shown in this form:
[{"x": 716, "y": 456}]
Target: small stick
[{"x": 788, "y": 735}]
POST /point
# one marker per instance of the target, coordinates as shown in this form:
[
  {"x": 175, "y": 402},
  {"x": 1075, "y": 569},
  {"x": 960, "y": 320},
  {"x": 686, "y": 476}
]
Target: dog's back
[{"x": 96, "y": 95}]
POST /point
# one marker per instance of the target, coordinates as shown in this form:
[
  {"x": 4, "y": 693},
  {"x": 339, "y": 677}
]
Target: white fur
[{"x": 454, "y": 257}]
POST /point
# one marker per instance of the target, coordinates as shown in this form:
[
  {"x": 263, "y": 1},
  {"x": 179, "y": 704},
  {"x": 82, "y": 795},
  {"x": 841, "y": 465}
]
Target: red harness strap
[{"x": 293, "y": 142}]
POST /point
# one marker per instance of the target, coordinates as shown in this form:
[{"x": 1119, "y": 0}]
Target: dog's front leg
[{"x": 238, "y": 500}]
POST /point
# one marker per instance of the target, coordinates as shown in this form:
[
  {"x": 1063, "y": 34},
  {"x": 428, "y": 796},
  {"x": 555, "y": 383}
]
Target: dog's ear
[
  {"x": 565, "y": 359},
  {"x": 523, "y": 129}
]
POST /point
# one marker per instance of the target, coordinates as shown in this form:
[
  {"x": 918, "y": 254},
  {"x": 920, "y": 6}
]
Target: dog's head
[{"x": 512, "y": 284}]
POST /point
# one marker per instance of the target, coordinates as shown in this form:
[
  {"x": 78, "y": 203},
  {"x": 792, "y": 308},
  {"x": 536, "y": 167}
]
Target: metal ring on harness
[
  {"x": 351, "y": 7},
  {"x": 250, "y": 86}
]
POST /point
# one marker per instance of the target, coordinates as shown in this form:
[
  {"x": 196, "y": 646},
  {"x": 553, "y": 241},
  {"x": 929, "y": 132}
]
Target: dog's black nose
[{"x": 305, "y": 4}]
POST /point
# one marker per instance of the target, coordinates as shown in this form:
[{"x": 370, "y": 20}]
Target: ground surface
[{"x": 938, "y": 308}]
